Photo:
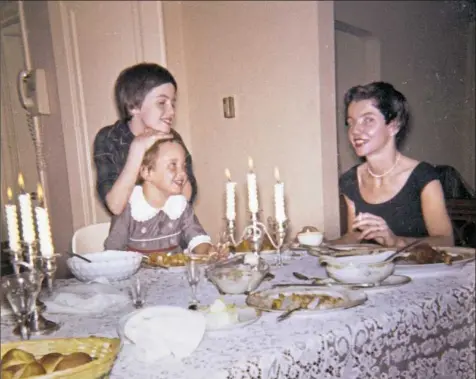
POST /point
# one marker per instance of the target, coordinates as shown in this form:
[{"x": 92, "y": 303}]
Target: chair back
[
  {"x": 90, "y": 238},
  {"x": 453, "y": 183}
]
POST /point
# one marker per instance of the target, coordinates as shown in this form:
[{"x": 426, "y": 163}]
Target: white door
[
  {"x": 17, "y": 149},
  {"x": 92, "y": 42}
]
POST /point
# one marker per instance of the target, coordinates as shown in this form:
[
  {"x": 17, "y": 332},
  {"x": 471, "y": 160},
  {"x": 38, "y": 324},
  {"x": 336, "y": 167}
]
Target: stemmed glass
[
  {"x": 194, "y": 273},
  {"x": 22, "y": 290}
]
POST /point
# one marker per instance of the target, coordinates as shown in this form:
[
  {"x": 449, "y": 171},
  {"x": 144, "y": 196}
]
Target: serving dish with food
[
  {"x": 310, "y": 299},
  {"x": 424, "y": 258},
  {"x": 221, "y": 316},
  {"x": 174, "y": 261}
]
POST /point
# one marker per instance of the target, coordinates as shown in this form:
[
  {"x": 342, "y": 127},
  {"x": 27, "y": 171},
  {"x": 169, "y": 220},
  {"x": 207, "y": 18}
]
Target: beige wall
[
  {"x": 425, "y": 54},
  {"x": 269, "y": 56},
  {"x": 41, "y": 49}
]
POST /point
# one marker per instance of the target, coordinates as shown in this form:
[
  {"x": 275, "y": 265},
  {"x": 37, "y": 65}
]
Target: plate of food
[
  {"x": 221, "y": 316},
  {"x": 424, "y": 258},
  {"x": 341, "y": 249},
  {"x": 244, "y": 247},
  {"x": 174, "y": 262},
  {"x": 311, "y": 298}
]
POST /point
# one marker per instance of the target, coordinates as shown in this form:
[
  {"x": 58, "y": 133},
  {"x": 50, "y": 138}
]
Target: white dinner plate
[
  {"x": 390, "y": 282},
  {"x": 436, "y": 268},
  {"x": 261, "y": 299},
  {"x": 361, "y": 248}
]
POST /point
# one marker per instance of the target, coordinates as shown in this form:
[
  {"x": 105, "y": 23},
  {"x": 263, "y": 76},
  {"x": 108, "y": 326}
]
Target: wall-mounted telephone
[{"x": 33, "y": 92}]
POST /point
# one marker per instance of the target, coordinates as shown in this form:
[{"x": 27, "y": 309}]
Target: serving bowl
[
  {"x": 310, "y": 238},
  {"x": 234, "y": 276},
  {"x": 359, "y": 269},
  {"x": 112, "y": 265}
]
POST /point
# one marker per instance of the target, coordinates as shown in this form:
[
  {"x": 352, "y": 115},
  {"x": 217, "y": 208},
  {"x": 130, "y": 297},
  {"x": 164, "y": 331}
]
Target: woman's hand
[{"x": 373, "y": 227}]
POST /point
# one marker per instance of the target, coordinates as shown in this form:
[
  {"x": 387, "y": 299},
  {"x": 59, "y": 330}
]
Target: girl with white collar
[{"x": 158, "y": 217}]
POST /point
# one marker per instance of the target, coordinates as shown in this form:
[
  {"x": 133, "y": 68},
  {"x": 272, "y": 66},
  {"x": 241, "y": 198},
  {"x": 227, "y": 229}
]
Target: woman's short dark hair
[
  {"x": 390, "y": 102},
  {"x": 135, "y": 82}
]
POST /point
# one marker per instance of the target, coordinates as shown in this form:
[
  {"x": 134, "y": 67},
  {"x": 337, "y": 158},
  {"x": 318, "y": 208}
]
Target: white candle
[
  {"x": 252, "y": 189},
  {"x": 279, "y": 198},
  {"x": 44, "y": 230},
  {"x": 12, "y": 223},
  {"x": 26, "y": 213},
  {"x": 230, "y": 197}
]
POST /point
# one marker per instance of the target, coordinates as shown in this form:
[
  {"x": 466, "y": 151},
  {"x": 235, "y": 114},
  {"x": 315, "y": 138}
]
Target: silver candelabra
[
  {"x": 255, "y": 233},
  {"x": 28, "y": 258}
]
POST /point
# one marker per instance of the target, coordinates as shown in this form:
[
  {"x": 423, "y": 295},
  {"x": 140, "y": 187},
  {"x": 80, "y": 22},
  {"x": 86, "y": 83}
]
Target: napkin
[
  {"x": 165, "y": 331},
  {"x": 86, "y": 299}
]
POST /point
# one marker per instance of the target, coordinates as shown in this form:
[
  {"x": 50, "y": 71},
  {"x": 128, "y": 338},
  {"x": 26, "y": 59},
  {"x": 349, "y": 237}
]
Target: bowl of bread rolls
[{"x": 48, "y": 359}]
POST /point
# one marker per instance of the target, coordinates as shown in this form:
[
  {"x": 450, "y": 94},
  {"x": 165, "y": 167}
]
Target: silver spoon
[{"x": 398, "y": 251}]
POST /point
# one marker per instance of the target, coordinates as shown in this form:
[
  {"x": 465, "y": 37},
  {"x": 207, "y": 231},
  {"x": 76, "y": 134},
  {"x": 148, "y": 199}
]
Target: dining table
[{"x": 423, "y": 329}]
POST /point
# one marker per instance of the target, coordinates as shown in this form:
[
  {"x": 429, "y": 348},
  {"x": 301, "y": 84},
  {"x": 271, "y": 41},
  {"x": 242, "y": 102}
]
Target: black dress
[{"x": 403, "y": 212}]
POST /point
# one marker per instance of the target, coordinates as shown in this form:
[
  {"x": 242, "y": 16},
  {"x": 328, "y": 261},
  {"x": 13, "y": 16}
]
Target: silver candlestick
[
  {"x": 37, "y": 324},
  {"x": 280, "y": 229},
  {"x": 230, "y": 228}
]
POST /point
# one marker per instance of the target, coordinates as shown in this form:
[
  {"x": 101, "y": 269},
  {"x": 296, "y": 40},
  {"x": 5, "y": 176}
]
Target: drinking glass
[
  {"x": 137, "y": 291},
  {"x": 194, "y": 273},
  {"x": 22, "y": 290}
]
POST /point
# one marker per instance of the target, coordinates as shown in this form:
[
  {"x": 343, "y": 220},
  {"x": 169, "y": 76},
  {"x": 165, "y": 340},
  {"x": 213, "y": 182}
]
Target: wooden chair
[{"x": 462, "y": 213}]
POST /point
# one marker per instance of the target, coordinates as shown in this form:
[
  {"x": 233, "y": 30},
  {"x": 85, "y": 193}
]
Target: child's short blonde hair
[{"x": 150, "y": 156}]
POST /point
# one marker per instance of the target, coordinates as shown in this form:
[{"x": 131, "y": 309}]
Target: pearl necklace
[{"x": 386, "y": 172}]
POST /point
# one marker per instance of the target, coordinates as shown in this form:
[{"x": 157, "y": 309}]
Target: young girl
[{"x": 157, "y": 216}]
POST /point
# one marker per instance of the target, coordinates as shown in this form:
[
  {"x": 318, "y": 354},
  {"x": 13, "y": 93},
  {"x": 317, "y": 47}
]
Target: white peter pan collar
[{"x": 142, "y": 211}]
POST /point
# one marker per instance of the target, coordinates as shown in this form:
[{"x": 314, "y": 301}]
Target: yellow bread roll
[
  {"x": 25, "y": 370},
  {"x": 6, "y": 374},
  {"x": 73, "y": 360},
  {"x": 15, "y": 357},
  {"x": 50, "y": 361}
]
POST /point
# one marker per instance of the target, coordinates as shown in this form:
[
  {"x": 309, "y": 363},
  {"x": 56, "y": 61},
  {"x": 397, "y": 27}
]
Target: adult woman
[{"x": 391, "y": 199}]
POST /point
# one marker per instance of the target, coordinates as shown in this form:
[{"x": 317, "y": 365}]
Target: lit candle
[
  {"x": 26, "y": 213},
  {"x": 279, "y": 198},
  {"x": 44, "y": 230},
  {"x": 230, "y": 197},
  {"x": 252, "y": 189},
  {"x": 12, "y": 223}
]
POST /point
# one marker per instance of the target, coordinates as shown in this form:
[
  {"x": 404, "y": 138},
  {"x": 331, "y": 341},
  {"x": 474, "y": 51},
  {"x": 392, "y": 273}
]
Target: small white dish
[
  {"x": 246, "y": 316},
  {"x": 310, "y": 238}
]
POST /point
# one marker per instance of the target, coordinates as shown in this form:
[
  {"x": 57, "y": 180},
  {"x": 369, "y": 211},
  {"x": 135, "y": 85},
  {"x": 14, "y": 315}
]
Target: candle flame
[
  {"x": 250, "y": 163},
  {"x": 39, "y": 192},
  {"x": 9, "y": 194},
  {"x": 21, "y": 183},
  {"x": 276, "y": 174},
  {"x": 227, "y": 174}
]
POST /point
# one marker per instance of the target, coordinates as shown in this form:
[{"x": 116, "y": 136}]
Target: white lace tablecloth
[{"x": 425, "y": 329}]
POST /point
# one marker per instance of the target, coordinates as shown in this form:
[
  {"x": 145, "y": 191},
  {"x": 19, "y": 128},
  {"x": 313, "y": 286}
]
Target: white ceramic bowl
[
  {"x": 110, "y": 264},
  {"x": 310, "y": 238},
  {"x": 358, "y": 269}
]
